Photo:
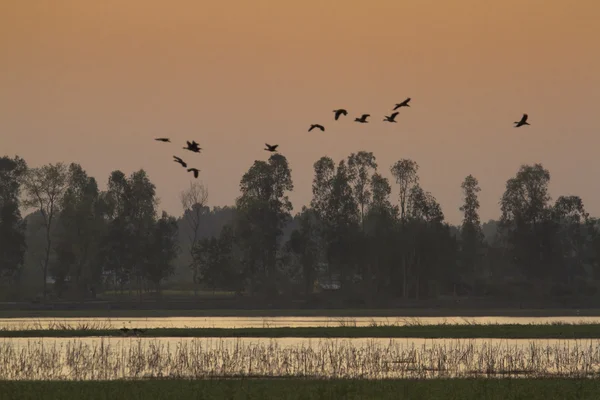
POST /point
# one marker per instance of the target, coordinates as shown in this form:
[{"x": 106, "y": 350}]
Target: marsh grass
[
  {"x": 296, "y": 389},
  {"x": 325, "y": 358},
  {"x": 346, "y": 329}
]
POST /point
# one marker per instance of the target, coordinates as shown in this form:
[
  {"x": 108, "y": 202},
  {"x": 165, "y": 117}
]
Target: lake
[
  {"x": 142, "y": 358},
  {"x": 269, "y": 322}
]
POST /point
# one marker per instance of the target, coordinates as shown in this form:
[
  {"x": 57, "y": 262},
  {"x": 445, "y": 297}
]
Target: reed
[{"x": 136, "y": 358}]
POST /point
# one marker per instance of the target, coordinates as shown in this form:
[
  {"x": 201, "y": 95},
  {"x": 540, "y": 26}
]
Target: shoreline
[{"x": 447, "y": 331}]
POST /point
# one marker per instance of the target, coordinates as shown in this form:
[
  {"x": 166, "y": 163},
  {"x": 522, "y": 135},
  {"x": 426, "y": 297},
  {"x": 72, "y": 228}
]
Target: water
[
  {"x": 143, "y": 358},
  {"x": 269, "y": 322}
]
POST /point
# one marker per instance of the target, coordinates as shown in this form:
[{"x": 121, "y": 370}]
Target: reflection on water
[
  {"x": 124, "y": 358},
  {"x": 267, "y": 322}
]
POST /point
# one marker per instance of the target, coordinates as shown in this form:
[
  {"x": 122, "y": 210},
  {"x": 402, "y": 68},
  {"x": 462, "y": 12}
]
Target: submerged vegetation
[
  {"x": 325, "y": 358},
  {"x": 295, "y": 389}
]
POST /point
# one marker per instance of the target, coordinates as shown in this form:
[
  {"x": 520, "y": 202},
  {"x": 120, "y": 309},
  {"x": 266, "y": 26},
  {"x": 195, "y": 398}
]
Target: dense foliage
[{"x": 354, "y": 240}]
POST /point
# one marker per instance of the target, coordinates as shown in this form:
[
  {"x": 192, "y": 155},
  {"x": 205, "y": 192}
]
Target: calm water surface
[{"x": 270, "y": 322}]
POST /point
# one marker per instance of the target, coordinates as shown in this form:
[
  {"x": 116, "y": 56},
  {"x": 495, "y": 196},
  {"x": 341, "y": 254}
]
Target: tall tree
[
  {"x": 141, "y": 214},
  {"x": 525, "y": 214},
  {"x": 12, "y": 225},
  {"x": 263, "y": 209},
  {"x": 432, "y": 245},
  {"x": 193, "y": 201},
  {"x": 380, "y": 232},
  {"x": 471, "y": 232},
  {"x": 573, "y": 236},
  {"x": 361, "y": 167},
  {"x": 115, "y": 247},
  {"x": 405, "y": 172},
  {"x": 161, "y": 250},
  {"x": 79, "y": 228},
  {"x": 303, "y": 243},
  {"x": 44, "y": 189},
  {"x": 338, "y": 214}
]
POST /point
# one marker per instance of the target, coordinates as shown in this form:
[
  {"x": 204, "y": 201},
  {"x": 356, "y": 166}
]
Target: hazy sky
[{"x": 94, "y": 82}]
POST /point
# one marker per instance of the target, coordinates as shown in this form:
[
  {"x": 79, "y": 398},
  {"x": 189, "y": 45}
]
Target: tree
[
  {"x": 140, "y": 216},
  {"x": 524, "y": 220},
  {"x": 573, "y": 227},
  {"x": 193, "y": 202},
  {"x": 44, "y": 189},
  {"x": 131, "y": 209},
  {"x": 338, "y": 214},
  {"x": 263, "y": 209},
  {"x": 429, "y": 241},
  {"x": 361, "y": 167},
  {"x": 116, "y": 243},
  {"x": 303, "y": 244},
  {"x": 405, "y": 172},
  {"x": 162, "y": 250},
  {"x": 12, "y": 226},
  {"x": 422, "y": 205},
  {"x": 380, "y": 232},
  {"x": 471, "y": 230},
  {"x": 79, "y": 227},
  {"x": 216, "y": 258}
]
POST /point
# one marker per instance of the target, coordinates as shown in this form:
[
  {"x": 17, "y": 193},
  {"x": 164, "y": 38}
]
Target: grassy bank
[
  {"x": 542, "y": 331},
  {"x": 387, "y": 312},
  {"x": 463, "y": 389}
]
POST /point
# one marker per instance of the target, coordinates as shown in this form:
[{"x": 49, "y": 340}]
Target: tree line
[{"x": 353, "y": 240}]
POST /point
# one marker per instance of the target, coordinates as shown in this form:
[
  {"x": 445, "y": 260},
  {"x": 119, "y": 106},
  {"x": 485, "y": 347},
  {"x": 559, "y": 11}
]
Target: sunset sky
[{"x": 94, "y": 82}]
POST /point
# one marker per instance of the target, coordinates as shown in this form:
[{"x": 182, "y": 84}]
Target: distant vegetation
[{"x": 353, "y": 246}]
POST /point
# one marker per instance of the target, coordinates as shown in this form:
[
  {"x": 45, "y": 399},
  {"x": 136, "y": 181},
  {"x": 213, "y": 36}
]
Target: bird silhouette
[
  {"x": 196, "y": 170},
  {"x": 137, "y": 331},
  {"x": 124, "y": 330},
  {"x": 523, "y": 121},
  {"x": 313, "y": 126},
  {"x": 193, "y": 146},
  {"x": 180, "y": 161},
  {"x": 391, "y": 118},
  {"x": 363, "y": 118},
  {"x": 163, "y": 139},
  {"x": 339, "y": 112},
  {"x": 403, "y": 104},
  {"x": 271, "y": 148}
]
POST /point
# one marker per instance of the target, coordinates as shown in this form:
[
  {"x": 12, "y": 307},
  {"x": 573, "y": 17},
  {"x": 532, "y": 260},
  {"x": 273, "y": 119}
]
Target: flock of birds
[
  {"x": 195, "y": 147},
  {"x": 191, "y": 146}
]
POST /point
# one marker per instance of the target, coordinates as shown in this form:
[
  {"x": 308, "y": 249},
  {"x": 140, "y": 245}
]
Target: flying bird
[
  {"x": 137, "y": 331},
  {"x": 163, "y": 139},
  {"x": 523, "y": 121},
  {"x": 195, "y": 170},
  {"x": 271, "y": 148},
  {"x": 313, "y": 126},
  {"x": 403, "y": 104},
  {"x": 339, "y": 112},
  {"x": 391, "y": 118},
  {"x": 180, "y": 161},
  {"x": 124, "y": 330},
  {"x": 193, "y": 146},
  {"x": 363, "y": 118}
]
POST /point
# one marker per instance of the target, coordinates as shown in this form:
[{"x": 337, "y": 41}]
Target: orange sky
[{"x": 94, "y": 82}]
